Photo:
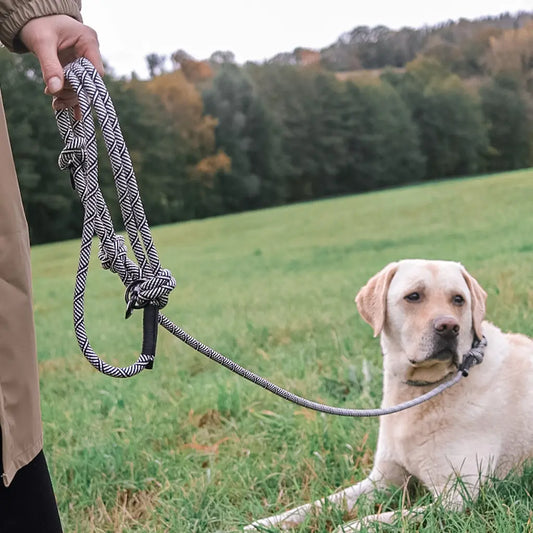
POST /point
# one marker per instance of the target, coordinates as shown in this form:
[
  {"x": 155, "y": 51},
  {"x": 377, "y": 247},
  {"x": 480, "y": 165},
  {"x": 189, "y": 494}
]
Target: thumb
[{"x": 50, "y": 66}]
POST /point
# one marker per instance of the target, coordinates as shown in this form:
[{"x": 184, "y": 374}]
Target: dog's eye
[
  {"x": 413, "y": 297},
  {"x": 458, "y": 300}
]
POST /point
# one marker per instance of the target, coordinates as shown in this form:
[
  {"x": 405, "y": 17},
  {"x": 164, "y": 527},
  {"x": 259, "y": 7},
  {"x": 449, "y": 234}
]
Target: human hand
[{"x": 57, "y": 40}]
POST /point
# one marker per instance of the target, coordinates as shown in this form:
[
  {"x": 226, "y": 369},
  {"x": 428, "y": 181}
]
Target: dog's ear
[
  {"x": 479, "y": 297},
  {"x": 372, "y": 298}
]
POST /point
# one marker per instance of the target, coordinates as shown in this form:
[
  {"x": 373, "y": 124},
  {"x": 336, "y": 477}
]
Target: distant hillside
[{"x": 461, "y": 44}]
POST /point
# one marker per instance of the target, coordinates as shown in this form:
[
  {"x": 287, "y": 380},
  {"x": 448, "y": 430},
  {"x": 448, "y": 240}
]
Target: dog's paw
[
  {"x": 371, "y": 522},
  {"x": 284, "y": 521}
]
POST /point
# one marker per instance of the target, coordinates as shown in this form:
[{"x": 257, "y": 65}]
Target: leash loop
[
  {"x": 80, "y": 156},
  {"x": 148, "y": 284}
]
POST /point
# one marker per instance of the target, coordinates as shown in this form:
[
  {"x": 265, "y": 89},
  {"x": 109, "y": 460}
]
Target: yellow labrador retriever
[{"x": 428, "y": 314}]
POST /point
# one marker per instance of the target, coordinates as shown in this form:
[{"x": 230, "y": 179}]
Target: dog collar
[
  {"x": 423, "y": 383},
  {"x": 474, "y": 356}
]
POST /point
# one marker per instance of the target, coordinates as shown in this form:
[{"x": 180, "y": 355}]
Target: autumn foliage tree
[
  {"x": 511, "y": 53},
  {"x": 195, "y": 71},
  {"x": 196, "y": 134}
]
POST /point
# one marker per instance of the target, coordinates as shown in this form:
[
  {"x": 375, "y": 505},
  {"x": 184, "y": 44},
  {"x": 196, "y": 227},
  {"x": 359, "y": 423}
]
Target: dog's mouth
[
  {"x": 440, "y": 352},
  {"x": 446, "y": 354},
  {"x": 444, "y": 349}
]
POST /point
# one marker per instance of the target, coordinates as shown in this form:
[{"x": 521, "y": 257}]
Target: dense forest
[{"x": 378, "y": 108}]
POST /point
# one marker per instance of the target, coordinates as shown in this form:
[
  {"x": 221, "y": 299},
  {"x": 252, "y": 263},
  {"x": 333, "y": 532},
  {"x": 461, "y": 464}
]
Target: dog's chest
[{"x": 417, "y": 442}]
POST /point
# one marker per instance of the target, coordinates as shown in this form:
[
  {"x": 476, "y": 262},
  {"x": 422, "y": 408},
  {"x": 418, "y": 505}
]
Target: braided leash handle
[{"x": 148, "y": 284}]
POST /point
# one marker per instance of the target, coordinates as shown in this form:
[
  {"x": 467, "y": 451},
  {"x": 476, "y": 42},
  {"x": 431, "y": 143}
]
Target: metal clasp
[{"x": 131, "y": 296}]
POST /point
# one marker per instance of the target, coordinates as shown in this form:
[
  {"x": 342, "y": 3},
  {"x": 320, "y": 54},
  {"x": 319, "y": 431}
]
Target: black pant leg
[{"x": 28, "y": 505}]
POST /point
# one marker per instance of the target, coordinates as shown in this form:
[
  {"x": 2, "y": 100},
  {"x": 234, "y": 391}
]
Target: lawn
[{"x": 188, "y": 446}]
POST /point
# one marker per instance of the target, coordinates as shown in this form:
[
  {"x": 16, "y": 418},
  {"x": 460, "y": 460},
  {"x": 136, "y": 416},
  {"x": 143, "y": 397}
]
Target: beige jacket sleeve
[{"x": 15, "y": 13}]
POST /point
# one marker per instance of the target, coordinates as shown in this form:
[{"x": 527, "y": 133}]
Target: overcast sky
[{"x": 255, "y": 30}]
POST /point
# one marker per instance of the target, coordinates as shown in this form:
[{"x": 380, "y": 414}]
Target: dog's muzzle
[{"x": 445, "y": 331}]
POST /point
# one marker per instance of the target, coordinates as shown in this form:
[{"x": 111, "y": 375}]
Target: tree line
[{"x": 209, "y": 137}]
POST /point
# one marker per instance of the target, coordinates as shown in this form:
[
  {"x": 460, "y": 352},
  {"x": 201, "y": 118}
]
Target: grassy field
[{"x": 189, "y": 447}]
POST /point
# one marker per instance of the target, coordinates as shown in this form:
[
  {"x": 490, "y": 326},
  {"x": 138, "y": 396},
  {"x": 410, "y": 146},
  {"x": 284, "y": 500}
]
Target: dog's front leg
[
  {"x": 345, "y": 498},
  {"x": 386, "y": 472}
]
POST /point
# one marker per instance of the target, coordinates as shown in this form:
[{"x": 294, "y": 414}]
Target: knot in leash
[
  {"x": 73, "y": 155},
  {"x": 154, "y": 291}
]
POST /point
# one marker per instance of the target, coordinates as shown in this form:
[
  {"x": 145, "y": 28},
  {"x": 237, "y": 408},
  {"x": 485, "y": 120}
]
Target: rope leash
[{"x": 148, "y": 285}]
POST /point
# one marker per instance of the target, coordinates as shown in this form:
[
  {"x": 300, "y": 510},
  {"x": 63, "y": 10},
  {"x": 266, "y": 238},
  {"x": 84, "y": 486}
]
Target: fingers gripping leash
[{"x": 148, "y": 285}]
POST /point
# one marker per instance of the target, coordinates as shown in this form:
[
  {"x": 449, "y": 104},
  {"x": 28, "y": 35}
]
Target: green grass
[{"x": 189, "y": 447}]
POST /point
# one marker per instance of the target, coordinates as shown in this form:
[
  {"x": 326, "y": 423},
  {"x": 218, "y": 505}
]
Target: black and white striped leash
[{"x": 148, "y": 284}]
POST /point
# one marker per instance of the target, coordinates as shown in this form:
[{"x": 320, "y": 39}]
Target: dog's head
[{"x": 426, "y": 311}]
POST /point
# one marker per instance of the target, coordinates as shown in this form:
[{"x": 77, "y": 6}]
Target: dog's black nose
[{"x": 446, "y": 326}]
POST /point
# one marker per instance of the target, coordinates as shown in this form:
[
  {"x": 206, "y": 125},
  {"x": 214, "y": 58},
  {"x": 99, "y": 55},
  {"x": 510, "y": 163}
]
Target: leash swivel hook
[{"x": 132, "y": 297}]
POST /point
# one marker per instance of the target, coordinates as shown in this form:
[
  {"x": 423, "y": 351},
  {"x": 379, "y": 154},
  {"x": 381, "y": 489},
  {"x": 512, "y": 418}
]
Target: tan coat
[
  {"x": 20, "y": 415},
  {"x": 15, "y": 13}
]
